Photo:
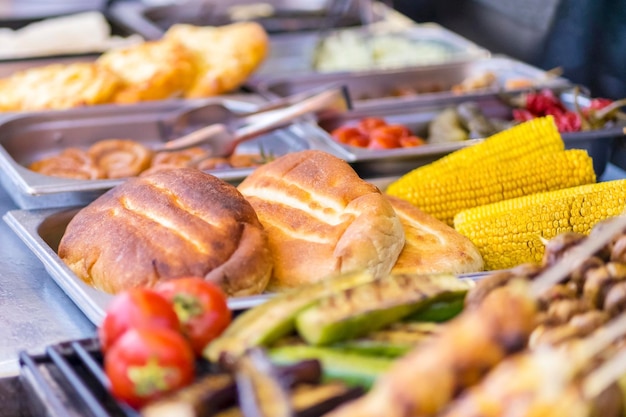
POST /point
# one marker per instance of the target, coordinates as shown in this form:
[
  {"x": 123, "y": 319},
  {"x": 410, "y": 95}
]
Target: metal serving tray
[
  {"x": 42, "y": 229},
  {"x": 417, "y": 115},
  {"x": 276, "y": 16},
  {"x": 26, "y": 138},
  {"x": 293, "y": 53},
  {"x": 430, "y": 83}
]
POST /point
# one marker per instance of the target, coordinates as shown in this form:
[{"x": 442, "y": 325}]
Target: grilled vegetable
[
  {"x": 445, "y": 196},
  {"x": 438, "y": 311},
  {"x": 317, "y": 400},
  {"x": 392, "y": 342},
  {"x": 510, "y": 232},
  {"x": 371, "y": 306},
  {"x": 213, "y": 394},
  {"x": 206, "y": 397},
  {"x": 423, "y": 382},
  {"x": 351, "y": 368},
  {"x": 275, "y": 318},
  {"x": 260, "y": 390},
  {"x": 446, "y": 127}
]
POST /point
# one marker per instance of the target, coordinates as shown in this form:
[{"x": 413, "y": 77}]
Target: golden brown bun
[
  {"x": 58, "y": 86},
  {"x": 151, "y": 70},
  {"x": 321, "y": 218},
  {"x": 431, "y": 245},
  {"x": 225, "y": 56},
  {"x": 169, "y": 224}
]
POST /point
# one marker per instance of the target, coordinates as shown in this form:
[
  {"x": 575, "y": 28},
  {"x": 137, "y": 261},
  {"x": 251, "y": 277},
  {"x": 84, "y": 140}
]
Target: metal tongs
[{"x": 224, "y": 137}]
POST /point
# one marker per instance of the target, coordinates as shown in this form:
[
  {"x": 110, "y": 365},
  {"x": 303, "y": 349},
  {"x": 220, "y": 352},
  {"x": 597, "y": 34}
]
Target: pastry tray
[
  {"x": 431, "y": 83},
  {"x": 25, "y": 138},
  {"x": 417, "y": 115}
]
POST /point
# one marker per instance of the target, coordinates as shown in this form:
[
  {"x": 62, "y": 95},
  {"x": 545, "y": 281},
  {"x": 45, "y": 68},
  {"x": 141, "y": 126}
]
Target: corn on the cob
[
  {"x": 510, "y": 232},
  {"x": 431, "y": 187},
  {"x": 444, "y": 196},
  {"x": 527, "y": 140}
]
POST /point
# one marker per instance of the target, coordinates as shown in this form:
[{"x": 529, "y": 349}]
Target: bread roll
[
  {"x": 431, "y": 245},
  {"x": 166, "y": 225},
  {"x": 321, "y": 218}
]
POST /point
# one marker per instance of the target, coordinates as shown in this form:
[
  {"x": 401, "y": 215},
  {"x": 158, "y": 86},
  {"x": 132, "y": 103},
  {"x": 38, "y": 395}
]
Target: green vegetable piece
[
  {"x": 439, "y": 311},
  {"x": 351, "y": 368},
  {"x": 273, "y": 319},
  {"x": 356, "y": 311}
]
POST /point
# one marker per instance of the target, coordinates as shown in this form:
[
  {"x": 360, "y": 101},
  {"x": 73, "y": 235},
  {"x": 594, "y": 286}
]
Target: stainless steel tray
[
  {"x": 417, "y": 115},
  {"x": 293, "y": 54},
  {"x": 26, "y": 138},
  {"x": 41, "y": 230},
  {"x": 430, "y": 83},
  {"x": 276, "y": 16}
]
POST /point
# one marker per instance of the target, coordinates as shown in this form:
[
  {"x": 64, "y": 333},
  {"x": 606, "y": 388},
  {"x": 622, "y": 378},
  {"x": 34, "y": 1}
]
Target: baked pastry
[
  {"x": 58, "y": 86},
  {"x": 431, "y": 245},
  {"x": 224, "y": 56},
  {"x": 70, "y": 163},
  {"x": 120, "y": 158},
  {"x": 321, "y": 218},
  {"x": 151, "y": 70},
  {"x": 166, "y": 225}
]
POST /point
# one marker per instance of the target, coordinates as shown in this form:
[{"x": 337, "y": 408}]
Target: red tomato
[
  {"x": 367, "y": 124},
  {"x": 201, "y": 307},
  {"x": 411, "y": 141},
  {"x": 350, "y": 135},
  {"x": 399, "y": 131},
  {"x": 147, "y": 363},
  {"x": 138, "y": 307},
  {"x": 384, "y": 138}
]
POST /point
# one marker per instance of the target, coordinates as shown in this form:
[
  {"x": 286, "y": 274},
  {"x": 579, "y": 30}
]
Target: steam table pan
[
  {"x": 42, "y": 229},
  {"x": 295, "y": 53},
  {"x": 26, "y": 138},
  {"x": 370, "y": 163},
  {"x": 398, "y": 87},
  {"x": 276, "y": 16}
]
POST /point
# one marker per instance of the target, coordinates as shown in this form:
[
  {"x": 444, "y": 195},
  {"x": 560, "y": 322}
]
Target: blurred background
[{"x": 586, "y": 38}]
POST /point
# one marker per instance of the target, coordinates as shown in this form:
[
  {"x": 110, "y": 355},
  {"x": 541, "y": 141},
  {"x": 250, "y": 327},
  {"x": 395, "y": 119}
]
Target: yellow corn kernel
[
  {"x": 444, "y": 196},
  {"x": 510, "y": 232}
]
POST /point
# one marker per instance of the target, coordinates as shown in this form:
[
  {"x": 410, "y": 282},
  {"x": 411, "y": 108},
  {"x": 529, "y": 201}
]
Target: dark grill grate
[{"x": 68, "y": 380}]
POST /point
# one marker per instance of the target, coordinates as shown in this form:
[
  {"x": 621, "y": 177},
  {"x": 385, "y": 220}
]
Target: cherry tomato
[
  {"x": 411, "y": 141},
  {"x": 368, "y": 124},
  {"x": 137, "y": 307},
  {"x": 146, "y": 363},
  {"x": 350, "y": 135},
  {"x": 384, "y": 137},
  {"x": 201, "y": 307}
]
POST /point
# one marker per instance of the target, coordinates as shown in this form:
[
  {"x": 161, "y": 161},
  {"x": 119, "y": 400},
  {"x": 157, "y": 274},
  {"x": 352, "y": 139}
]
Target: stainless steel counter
[{"x": 34, "y": 311}]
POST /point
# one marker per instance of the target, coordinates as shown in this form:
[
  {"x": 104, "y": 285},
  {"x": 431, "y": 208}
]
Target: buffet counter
[{"x": 34, "y": 311}]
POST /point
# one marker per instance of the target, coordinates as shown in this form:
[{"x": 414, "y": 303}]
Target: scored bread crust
[
  {"x": 431, "y": 245},
  {"x": 321, "y": 219},
  {"x": 166, "y": 225}
]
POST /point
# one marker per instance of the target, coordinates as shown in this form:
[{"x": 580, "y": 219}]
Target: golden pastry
[
  {"x": 120, "y": 158},
  {"x": 71, "y": 163}
]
